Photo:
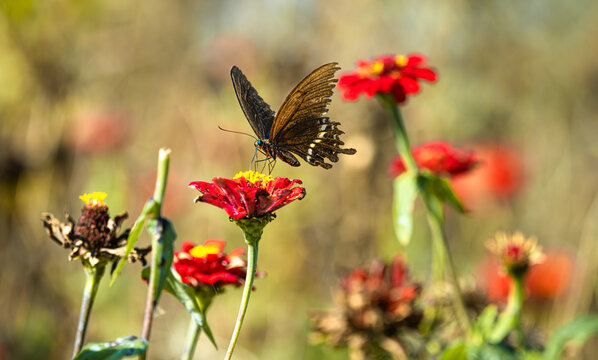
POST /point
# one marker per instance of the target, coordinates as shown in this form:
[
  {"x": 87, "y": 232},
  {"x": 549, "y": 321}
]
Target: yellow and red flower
[
  {"x": 207, "y": 264},
  {"x": 439, "y": 157},
  {"x": 249, "y": 194},
  {"x": 397, "y": 75},
  {"x": 515, "y": 251}
]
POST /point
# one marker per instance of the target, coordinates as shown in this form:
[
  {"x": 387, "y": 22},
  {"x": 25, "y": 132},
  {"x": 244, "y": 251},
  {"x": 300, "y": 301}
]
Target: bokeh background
[{"x": 90, "y": 90}]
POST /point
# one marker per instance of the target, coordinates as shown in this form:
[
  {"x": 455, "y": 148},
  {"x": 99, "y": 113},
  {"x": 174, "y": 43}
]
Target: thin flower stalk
[
  {"x": 157, "y": 253},
  {"x": 510, "y": 319},
  {"x": 442, "y": 257},
  {"x": 92, "y": 281},
  {"x": 252, "y": 251},
  {"x": 400, "y": 132},
  {"x": 191, "y": 342}
]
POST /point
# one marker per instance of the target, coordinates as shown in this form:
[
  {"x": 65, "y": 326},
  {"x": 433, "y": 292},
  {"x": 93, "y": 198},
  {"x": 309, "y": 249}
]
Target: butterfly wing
[
  {"x": 256, "y": 110},
  {"x": 301, "y": 127}
]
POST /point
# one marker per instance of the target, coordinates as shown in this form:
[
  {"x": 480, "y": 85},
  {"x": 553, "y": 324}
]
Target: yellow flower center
[
  {"x": 377, "y": 67},
  {"x": 94, "y": 199},
  {"x": 400, "y": 60},
  {"x": 254, "y": 176},
  {"x": 202, "y": 251}
]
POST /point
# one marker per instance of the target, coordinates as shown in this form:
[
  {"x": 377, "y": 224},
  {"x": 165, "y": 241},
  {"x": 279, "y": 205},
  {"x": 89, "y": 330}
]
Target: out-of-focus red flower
[
  {"x": 397, "y": 75},
  {"x": 374, "y": 307},
  {"x": 550, "y": 278},
  {"x": 499, "y": 175},
  {"x": 98, "y": 131},
  {"x": 207, "y": 264},
  {"x": 249, "y": 194},
  {"x": 544, "y": 281},
  {"x": 385, "y": 287},
  {"x": 440, "y": 158}
]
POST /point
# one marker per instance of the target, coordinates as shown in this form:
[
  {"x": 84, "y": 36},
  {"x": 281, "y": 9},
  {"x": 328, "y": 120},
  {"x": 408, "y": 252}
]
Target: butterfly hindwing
[
  {"x": 301, "y": 127},
  {"x": 256, "y": 110}
]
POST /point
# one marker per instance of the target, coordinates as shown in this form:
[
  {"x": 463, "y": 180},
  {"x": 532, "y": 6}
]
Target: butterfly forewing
[
  {"x": 256, "y": 110},
  {"x": 301, "y": 127}
]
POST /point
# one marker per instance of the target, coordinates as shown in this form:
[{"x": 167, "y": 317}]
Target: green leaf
[
  {"x": 440, "y": 188},
  {"x": 456, "y": 351},
  {"x": 186, "y": 296},
  {"x": 405, "y": 193},
  {"x": 133, "y": 236},
  {"x": 120, "y": 348},
  {"x": 579, "y": 330},
  {"x": 484, "y": 324},
  {"x": 493, "y": 352},
  {"x": 163, "y": 236}
]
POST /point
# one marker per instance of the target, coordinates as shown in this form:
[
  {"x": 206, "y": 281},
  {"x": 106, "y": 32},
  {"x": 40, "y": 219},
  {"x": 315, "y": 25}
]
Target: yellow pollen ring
[
  {"x": 377, "y": 67},
  {"x": 400, "y": 60},
  {"x": 202, "y": 251},
  {"x": 94, "y": 198},
  {"x": 254, "y": 176}
]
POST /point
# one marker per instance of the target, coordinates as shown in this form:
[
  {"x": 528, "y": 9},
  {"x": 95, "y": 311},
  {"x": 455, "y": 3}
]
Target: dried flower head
[
  {"x": 374, "y": 306},
  {"x": 516, "y": 252},
  {"x": 94, "y": 237}
]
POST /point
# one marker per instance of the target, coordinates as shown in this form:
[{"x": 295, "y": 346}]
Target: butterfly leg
[{"x": 271, "y": 164}]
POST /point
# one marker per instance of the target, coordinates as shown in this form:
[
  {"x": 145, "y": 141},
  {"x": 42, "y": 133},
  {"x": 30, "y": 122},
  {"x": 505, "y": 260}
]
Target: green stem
[
  {"x": 192, "y": 336},
  {"x": 252, "y": 249},
  {"x": 92, "y": 281},
  {"x": 161, "y": 178},
  {"x": 510, "y": 319},
  {"x": 443, "y": 255},
  {"x": 398, "y": 126},
  {"x": 150, "y": 303}
]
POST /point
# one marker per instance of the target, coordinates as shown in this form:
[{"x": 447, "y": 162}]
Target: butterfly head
[{"x": 259, "y": 143}]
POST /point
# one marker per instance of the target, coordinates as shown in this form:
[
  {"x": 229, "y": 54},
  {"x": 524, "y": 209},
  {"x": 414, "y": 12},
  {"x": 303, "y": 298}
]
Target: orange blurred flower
[
  {"x": 499, "y": 175},
  {"x": 544, "y": 281}
]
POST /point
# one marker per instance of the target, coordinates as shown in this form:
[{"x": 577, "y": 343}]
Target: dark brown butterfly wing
[
  {"x": 256, "y": 110},
  {"x": 301, "y": 126}
]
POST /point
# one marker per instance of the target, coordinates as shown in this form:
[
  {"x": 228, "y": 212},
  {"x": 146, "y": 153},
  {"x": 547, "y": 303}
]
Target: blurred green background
[{"x": 90, "y": 90}]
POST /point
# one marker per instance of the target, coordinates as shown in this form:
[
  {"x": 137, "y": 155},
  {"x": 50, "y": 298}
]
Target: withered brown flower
[
  {"x": 375, "y": 308},
  {"x": 95, "y": 237}
]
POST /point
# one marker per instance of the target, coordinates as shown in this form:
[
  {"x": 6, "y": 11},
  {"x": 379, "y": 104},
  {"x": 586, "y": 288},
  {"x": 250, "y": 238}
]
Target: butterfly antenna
[{"x": 237, "y": 132}]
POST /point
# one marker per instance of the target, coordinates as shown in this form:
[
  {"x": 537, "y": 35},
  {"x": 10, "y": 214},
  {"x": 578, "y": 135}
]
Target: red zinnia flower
[
  {"x": 249, "y": 194},
  {"x": 500, "y": 175},
  {"x": 208, "y": 264},
  {"x": 440, "y": 158},
  {"x": 397, "y": 75}
]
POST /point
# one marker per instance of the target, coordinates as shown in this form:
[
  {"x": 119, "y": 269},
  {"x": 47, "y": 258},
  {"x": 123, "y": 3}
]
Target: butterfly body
[{"x": 300, "y": 127}]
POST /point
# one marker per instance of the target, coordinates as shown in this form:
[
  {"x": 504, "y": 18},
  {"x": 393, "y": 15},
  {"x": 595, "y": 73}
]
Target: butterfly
[{"x": 300, "y": 127}]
